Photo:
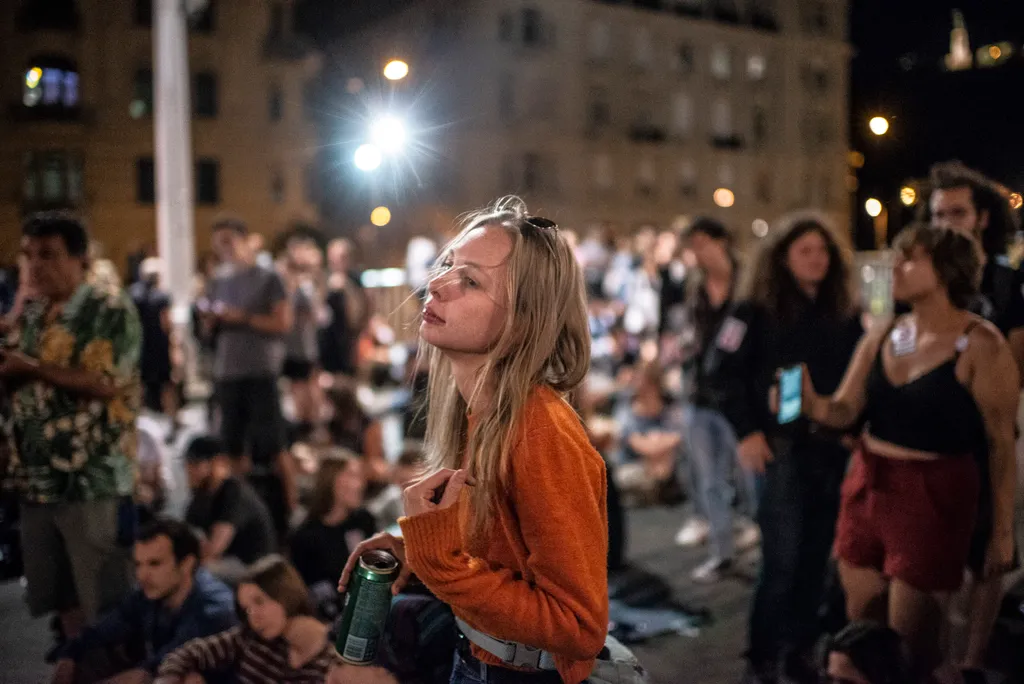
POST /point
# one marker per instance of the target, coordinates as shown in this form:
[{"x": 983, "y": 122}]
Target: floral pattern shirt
[{"x": 67, "y": 447}]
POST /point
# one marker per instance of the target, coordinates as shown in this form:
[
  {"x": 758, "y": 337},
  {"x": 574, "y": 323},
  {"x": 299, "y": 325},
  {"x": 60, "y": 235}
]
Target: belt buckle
[{"x": 525, "y": 656}]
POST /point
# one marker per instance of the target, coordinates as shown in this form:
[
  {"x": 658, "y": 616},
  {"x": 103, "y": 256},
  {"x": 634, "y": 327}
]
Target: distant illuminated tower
[{"x": 959, "y": 57}]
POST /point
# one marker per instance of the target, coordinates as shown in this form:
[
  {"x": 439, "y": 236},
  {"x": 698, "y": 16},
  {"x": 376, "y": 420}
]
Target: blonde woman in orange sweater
[{"x": 510, "y": 528}]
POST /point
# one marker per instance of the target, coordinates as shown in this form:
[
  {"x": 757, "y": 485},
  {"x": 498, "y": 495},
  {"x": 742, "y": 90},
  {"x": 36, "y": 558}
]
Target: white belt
[{"x": 510, "y": 652}]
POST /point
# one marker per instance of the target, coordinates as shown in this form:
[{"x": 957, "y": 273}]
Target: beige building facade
[
  {"x": 628, "y": 113},
  {"x": 76, "y": 127}
]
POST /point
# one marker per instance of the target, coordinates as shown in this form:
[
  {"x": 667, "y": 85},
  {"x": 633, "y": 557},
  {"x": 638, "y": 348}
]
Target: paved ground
[{"x": 710, "y": 658}]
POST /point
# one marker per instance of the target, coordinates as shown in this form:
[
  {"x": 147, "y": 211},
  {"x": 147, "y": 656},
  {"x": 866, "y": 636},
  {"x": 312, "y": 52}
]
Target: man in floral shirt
[{"x": 70, "y": 368}]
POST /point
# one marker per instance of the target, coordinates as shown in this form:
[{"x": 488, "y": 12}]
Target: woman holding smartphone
[
  {"x": 939, "y": 392},
  {"x": 510, "y": 528},
  {"x": 797, "y": 307}
]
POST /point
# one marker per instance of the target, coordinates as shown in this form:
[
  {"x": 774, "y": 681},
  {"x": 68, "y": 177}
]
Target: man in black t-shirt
[
  {"x": 239, "y": 529},
  {"x": 965, "y": 200}
]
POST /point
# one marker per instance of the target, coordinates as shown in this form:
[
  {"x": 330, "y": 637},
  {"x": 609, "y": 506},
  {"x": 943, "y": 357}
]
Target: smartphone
[{"x": 790, "y": 394}]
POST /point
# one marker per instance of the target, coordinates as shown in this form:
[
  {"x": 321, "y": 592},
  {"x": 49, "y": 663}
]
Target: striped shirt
[{"x": 251, "y": 659}]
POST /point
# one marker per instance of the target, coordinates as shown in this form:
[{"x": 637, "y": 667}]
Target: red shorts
[{"x": 910, "y": 520}]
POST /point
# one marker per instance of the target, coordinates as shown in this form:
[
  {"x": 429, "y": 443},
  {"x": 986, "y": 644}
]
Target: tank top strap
[{"x": 963, "y": 341}]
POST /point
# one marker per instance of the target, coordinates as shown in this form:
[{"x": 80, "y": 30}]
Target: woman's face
[
  {"x": 265, "y": 616},
  {"x": 808, "y": 259},
  {"x": 708, "y": 253},
  {"x": 913, "y": 275},
  {"x": 468, "y": 297},
  {"x": 350, "y": 484}
]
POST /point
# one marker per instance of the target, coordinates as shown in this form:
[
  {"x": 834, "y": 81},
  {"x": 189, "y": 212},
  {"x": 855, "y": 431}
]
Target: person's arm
[
  {"x": 1015, "y": 339},
  {"x": 228, "y": 518},
  {"x": 842, "y": 409},
  {"x": 277, "y": 322},
  {"x": 113, "y": 629},
  {"x": 996, "y": 389},
  {"x": 742, "y": 368},
  {"x": 558, "y": 490},
  {"x": 199, "y": 655}
]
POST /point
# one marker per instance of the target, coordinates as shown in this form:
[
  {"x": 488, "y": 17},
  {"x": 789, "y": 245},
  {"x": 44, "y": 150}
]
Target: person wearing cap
[{"x": 239, "y": 529}]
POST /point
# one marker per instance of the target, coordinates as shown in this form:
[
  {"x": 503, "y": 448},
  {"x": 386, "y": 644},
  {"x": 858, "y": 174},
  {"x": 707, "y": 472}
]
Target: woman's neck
[
  {"x": 466, "y": 371},
  {"x": 809, "y": 289},
  {"x": 935, "y": 313}
]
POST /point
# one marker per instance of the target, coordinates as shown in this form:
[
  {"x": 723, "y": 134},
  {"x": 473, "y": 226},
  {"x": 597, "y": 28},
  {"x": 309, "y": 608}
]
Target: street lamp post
[{"x": 172, "y": 129}]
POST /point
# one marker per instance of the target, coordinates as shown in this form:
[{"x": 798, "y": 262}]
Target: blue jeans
[
  {"x": 798, "y": 513},
  {"x": 711, "y": 463}
]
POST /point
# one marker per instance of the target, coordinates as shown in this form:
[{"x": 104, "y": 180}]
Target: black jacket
[{"x": 825, "y": 343}]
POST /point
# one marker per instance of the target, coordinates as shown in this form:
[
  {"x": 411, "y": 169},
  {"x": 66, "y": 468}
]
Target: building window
[
  {"x": 142, "y": 94},
  {"x": 52, "y": 179},
  {"x": 814, "y": 17},
  {"x": 506, "y": 27},
  {"x": 721, "y": 119},
  {"x": 603, "y": 177},
  {"x": 762, "y": 14},
  {"x": 682, "y": 115},
  {"x": 757, "y": 65},
  {"x": 599, "y": 41},
  {"x": 533, "y": 27},
  {"x": 816, "y": 77},
  {"x": 599, "y": 113},
  {"x": 204, "y": 22},
  {"x": 51, "y": 83},
  {"x": 687, "y": 179},
  {"x": 683, "y": 60},
  {"x": 721, "y": 62},
  {"x": 759, "y": 127},
  {"x": 46, "y": 16},
  {"x": 725, "y": 10},
  {"x": 275, "y": 104},
  {"x": 207, "y": 181},
  {"x": 693, "y": 8},
  {"x": 143, "y": 13},
  {"x": 643, "y": 49},
  {"x": 206, "y": 95},
  {"x": 531, "y": 172},
  {"x": 277, "y": 186},
  {"x": 145, "y": 181}
]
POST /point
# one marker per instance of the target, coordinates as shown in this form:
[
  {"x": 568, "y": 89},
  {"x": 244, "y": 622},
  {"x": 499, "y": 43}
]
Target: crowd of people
[{"x": 554, "y": 375}]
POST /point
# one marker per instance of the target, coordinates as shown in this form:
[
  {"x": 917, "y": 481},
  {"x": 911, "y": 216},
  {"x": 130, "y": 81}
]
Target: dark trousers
[{"x": 798, "y": 512}]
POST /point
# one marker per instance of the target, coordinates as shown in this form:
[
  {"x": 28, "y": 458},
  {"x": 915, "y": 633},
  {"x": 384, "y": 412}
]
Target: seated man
[
  {"x": 238, "y": 526},
  {"x": 176, "y": 601}
]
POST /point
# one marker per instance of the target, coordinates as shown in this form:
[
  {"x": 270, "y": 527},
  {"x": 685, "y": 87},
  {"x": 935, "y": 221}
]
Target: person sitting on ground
[
  {"x": 351, "y": 428},
  {"x": 279, "y": 642},
  {"x": 865, "y": 653},
  {"x": 336, "y": 523},
  {"x": 237, "y": 524},
  {"x": 650, "y": 438},
  {"x": 386, "y": 507},
  {"x": 176, "y": 601}
]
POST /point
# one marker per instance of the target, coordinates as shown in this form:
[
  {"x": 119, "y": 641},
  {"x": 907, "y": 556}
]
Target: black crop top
[{"x": 933, "y": 412}]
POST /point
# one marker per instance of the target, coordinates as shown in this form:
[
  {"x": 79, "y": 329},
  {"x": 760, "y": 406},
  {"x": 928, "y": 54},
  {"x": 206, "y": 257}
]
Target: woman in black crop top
[{"x": 939, "y": 393}]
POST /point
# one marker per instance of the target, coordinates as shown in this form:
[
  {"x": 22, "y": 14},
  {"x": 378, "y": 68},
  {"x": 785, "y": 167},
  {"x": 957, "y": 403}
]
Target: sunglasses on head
[{"x": 540, "y": 223}]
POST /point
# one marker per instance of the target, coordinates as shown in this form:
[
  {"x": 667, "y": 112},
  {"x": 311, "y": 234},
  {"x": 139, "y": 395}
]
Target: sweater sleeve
[
  {"x": 558, "y": 491},
  {"x": 201, "y": 655}
]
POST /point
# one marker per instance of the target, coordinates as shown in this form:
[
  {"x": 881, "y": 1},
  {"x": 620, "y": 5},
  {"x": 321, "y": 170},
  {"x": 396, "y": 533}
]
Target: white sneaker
[
  {"x": 693, "y": 533},
  {"x": 710, "y": 571},
  {"x": 747, "y": 535}
]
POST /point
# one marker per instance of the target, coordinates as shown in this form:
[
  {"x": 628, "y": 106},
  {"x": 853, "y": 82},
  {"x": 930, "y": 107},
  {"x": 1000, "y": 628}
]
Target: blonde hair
[{"x": 545, "y": 342}]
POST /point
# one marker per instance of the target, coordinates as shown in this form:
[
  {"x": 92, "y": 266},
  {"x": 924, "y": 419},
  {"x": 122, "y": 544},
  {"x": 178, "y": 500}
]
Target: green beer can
[{"x": 367, "y": 603}]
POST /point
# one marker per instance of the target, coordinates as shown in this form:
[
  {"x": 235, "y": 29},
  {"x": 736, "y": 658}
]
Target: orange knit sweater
[{"x": 540, "y": 577}]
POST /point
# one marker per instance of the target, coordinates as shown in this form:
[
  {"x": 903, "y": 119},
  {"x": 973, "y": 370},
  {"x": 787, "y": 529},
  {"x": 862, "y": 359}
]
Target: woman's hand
[
  {"x": 435, "y": 492},
  {"x": 378, "y": 542},
  {"x": 754, "y": 452},
  {"x": 999, "y": 557}
]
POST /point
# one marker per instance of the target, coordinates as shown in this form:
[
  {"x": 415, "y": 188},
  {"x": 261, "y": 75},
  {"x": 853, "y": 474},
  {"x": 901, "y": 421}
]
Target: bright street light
[
  {"x": 388, "y": 134},
  {"x": 367, "y": 157},
  {"x": 1016, "y": 201},
  {"x": 380, "y": 217},
  {"x": 879, "y": 125},
  {"x": 724, "y": 197},
  {"x": 396, "y": 70},
  {"x": 873, "y": 207},
  {"x": 908, "y": 196}
]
